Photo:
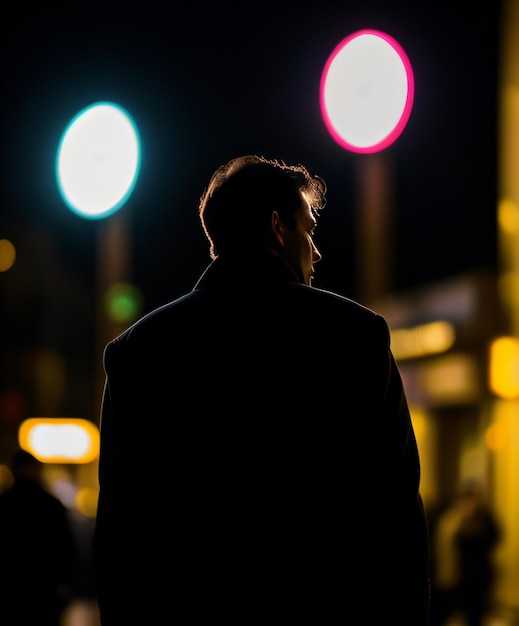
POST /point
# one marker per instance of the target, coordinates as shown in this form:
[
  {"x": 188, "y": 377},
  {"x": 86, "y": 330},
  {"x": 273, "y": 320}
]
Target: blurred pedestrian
[
  {"x": 38, "y": 555},
  {"x": 464, "y": 538},
  {"x": 258, "y": 461}
]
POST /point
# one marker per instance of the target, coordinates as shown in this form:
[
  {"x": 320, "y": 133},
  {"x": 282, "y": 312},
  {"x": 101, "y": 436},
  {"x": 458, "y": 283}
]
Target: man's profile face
[{"x": 299, "y": 251}]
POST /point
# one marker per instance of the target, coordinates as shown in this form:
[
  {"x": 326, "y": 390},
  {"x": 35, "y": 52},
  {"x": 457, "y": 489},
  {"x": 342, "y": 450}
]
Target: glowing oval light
[
  {"x": 60, "y": 440},
  {"x": 366, "y": 91},
  {"x": 98, "y": 160}
]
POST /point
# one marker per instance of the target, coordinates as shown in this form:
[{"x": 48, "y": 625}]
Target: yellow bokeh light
[
  {"x": 7, "y": 255},
  {"x": 432, "y": 338},
  {"x": 86, "y": 501},
  {"x": 504, "y": 367},
  {"x": 496, "y": 436},
  {"x": 508, "y": 216},
  {"x": 60, "y": 440}
]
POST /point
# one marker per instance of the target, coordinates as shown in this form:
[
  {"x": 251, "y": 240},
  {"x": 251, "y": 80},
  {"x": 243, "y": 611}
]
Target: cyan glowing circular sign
[
  {"x": 366, "y": 91},
  {"x": 98, "y": 160}
]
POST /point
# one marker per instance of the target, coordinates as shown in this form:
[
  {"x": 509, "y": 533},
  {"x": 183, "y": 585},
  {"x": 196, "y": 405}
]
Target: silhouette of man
[
  {"x": 258, "y": 461},
  {"x": 38, "y": 553},
  {"x": 464, "y": 539}
]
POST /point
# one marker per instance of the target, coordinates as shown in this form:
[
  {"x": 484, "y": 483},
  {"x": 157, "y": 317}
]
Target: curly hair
[{"x": 236, "y": 206}]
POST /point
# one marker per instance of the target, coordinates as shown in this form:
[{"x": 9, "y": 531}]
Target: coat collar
[{"x": 265, "y": 270}]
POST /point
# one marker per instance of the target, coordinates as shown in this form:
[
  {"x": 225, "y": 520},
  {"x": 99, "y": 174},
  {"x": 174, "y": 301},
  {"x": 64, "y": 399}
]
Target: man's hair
[{"x": 236, "y": 206}]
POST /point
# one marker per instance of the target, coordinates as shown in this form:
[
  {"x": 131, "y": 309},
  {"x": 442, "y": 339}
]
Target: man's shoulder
[
  {"x": 331, "y": 300},
  {"x": 198, "y": 306},
  {"x": 155, "y": 321}
]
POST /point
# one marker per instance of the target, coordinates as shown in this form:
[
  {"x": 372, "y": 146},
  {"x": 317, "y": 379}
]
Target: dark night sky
[{"x": 209, "y": 81}]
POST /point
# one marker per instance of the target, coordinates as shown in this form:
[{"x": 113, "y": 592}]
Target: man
[
  {"x": 258, "y": 462},
  {"x": 39, "y": 554},
  {"x": 464, "y": 538}
]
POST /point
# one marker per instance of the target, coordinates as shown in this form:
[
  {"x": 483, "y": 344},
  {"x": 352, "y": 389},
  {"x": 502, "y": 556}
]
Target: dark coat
[{"x": 258, "y": 462}]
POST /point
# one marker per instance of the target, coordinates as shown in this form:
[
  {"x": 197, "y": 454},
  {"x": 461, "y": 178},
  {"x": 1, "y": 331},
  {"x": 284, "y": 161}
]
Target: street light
[
  {"x": 98, "y": 160},
  {"x": 366, "y": 97},
  {"x": 367, "y": 91},
  {"x": 97, "y": 165}
]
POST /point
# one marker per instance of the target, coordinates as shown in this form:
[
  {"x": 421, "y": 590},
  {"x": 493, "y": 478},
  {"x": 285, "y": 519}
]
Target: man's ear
[{"x": 278, "y": 229}]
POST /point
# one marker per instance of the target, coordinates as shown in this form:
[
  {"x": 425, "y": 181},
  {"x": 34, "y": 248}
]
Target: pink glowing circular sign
[{"x": 366, "y": 91}]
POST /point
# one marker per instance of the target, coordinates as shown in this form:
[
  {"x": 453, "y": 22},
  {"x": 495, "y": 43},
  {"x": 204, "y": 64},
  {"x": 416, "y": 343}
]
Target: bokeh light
[
  {"x": 7, "y": 255},
  {"x": 367, "y": 91},
  {"x": 504, "y": 367},
  {"x": 98, "y": 160},
  {"x": 123, "y": 302},
  {"x": 60, "y": 440}
]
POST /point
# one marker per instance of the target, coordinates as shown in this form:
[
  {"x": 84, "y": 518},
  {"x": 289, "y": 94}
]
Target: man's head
[
  {"x": 25, "y": 466},
  {"x": 253, "y": 205}
]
